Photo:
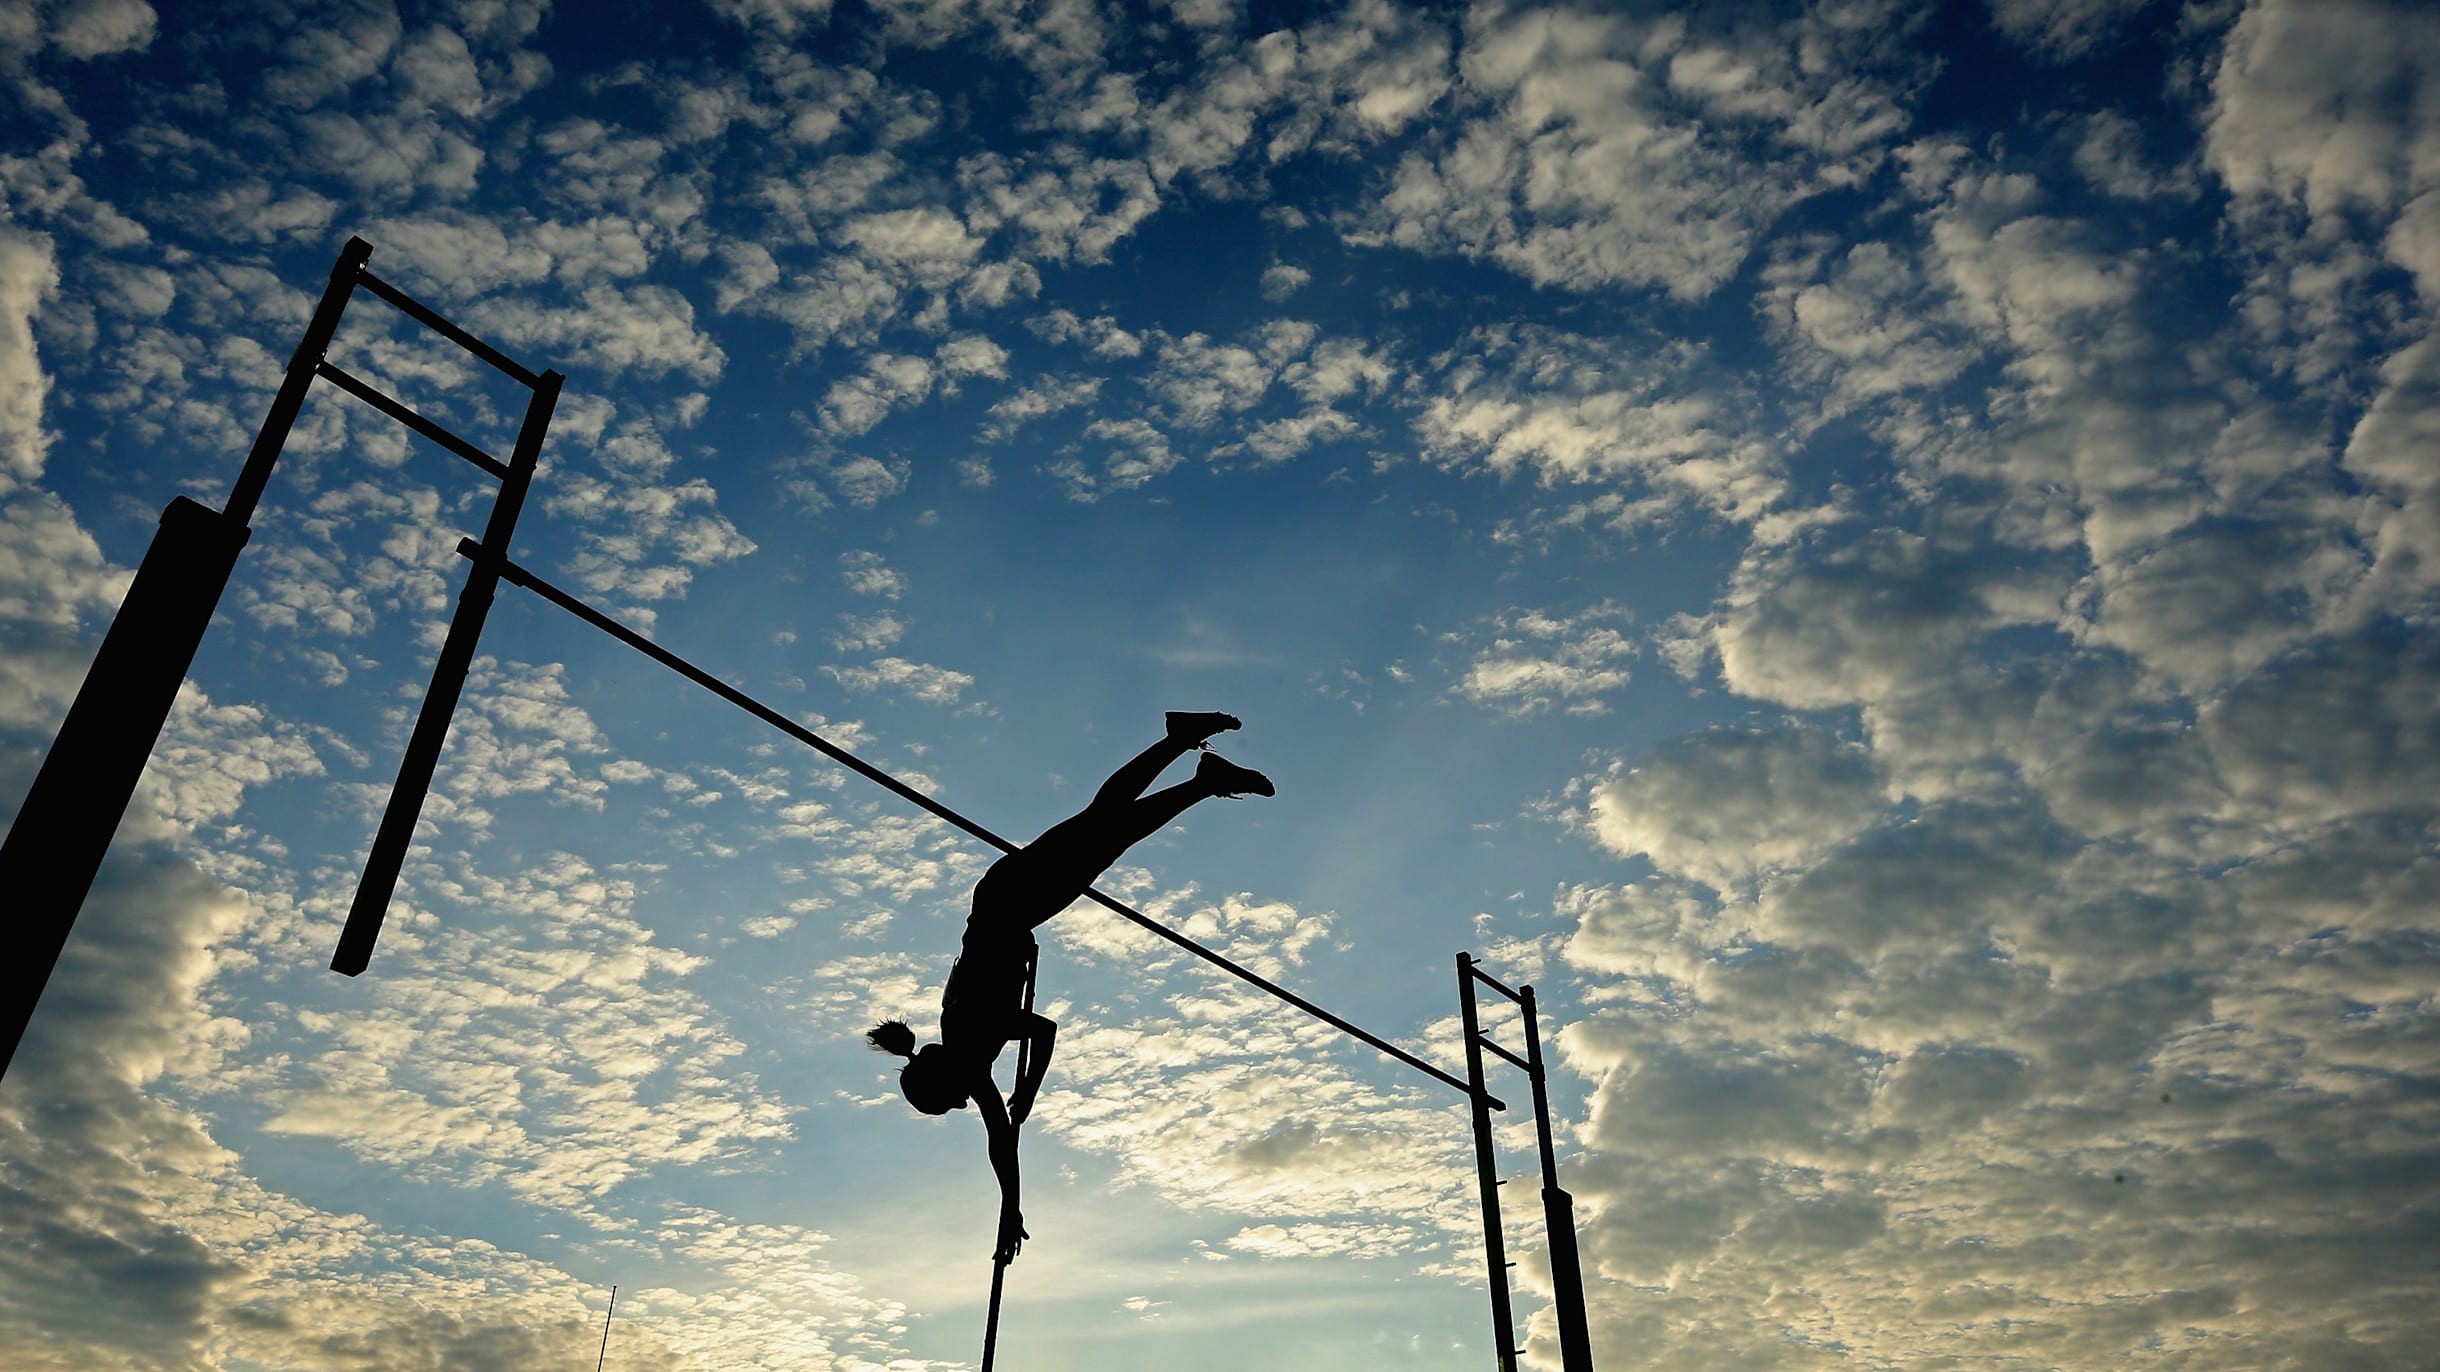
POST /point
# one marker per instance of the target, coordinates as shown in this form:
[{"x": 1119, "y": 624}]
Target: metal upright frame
[
  {"x": 65, "y": 825},
  {"x": 1558, "y": 1207}
]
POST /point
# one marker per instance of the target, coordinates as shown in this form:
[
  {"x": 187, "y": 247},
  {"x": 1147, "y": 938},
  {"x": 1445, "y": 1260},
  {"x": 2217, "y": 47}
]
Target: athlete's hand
[{"x": 1012, "y": 1234}]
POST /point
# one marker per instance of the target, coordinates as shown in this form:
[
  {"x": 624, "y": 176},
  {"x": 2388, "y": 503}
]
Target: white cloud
[
  {"x": 2336, "y": 730},
  {"x": 1865, "y": 324},
  {"x": 2112, "y": 157},
  {"x": 785, "y": 17},
  {"x": 644, "y": 329},
  {"x": 1278, "y": 440},
  {"x": 1731, "y": 806},
  {"x": 29, "y": 275},
  {"x": 646, "y": 533},
  {"x": 1145, "y": 454},
  {"x": 2286, "y": 120},
  {"x": 2222, "y": 597},
  {"x": 896, "y": 675},
  {"x": 863, "y": 481},
  {"x": 866, "y": 574},
  {"x": 1072, "y": 213},
  {"x": 324, "y": 59},
  {"x": 1574, "y": 410},
  {"x": 868, "y": 633},
  {"x": 86, "y": 29},
  {"x": 931, "y": 246},
  {"x": 1199, "y": 380},
  {"x": 973, "y": 355},
  {"x": 2036, "y": 283},
  {"x": 2061, "y": 29},
  {"x": 1280, "y": 280},
  {"x": 1536, "y": 660},
  {"x": 1101, "y": 333},
  {"x": 855, "y": 404},
  {"x": 1591, "y": 170},
  {"x": 1861, "y": 622},
  {"x": 1047, "y": 396}
]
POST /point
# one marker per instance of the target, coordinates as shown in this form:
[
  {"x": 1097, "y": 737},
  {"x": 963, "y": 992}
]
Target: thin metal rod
[
  {"x": 395, "y": 409},
  {"x": 605, "y": 1353},
  {"x": 991, "y": 1324},
  {"x": 1495, "y": 984},
  {"x": 1513, "y": 1058},
  {"x": 397, "y": 831},
  {"x": 1486, "y": 1166},
  {"x": 521, "y": 576},
  {"x": 416, "y": 310},
  {"x": 282, "y": 416},
  {"x": 1558, "y": 1213}
]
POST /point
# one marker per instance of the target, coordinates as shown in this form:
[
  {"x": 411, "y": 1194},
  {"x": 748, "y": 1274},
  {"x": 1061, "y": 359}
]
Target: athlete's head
[{"x": 929, "y": 1081}]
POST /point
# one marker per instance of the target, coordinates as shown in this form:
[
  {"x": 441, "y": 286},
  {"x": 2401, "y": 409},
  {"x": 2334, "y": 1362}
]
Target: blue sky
[{"x": 1882, "y": 556}]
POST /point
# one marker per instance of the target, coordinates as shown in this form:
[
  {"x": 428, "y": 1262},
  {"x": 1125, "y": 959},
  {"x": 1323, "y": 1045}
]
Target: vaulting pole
[
  {"x": 991, "y": 1325},
  {"x": 605, "y": 1353}
]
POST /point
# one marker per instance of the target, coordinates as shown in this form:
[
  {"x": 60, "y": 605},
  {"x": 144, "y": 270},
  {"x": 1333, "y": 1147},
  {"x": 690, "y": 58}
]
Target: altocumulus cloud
[{"x": 2054, "y": 985}]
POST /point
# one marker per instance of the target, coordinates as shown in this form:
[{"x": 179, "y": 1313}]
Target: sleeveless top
[{"x": 986, "y": 989}]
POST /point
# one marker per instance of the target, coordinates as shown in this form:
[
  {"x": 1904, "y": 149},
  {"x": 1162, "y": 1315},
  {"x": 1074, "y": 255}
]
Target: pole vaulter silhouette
[{"x": 988, "y": 1002}]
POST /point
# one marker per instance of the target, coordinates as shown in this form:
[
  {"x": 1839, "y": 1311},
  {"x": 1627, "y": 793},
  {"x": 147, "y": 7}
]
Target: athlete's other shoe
[
  {"x": 1226, "y": 778},
  {"x": 1194, "y": 727}
]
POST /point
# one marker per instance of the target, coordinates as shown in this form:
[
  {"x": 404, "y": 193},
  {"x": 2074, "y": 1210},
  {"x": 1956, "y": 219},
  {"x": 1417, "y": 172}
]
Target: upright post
[
  {"x": 64, "y": 827},
  {"x": 397, "y": 831},
  {"x": 1558, "y": 1209},
  {"x": 311, "y": 349},
  {"x": 1495, "y": 1254},
  {"x": 66, "y": 823}
]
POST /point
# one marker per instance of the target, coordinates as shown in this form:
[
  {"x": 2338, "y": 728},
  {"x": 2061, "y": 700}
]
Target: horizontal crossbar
[
  {"x": 520, "y": 576},
  {"x": 1494, "y": 983},
  {"x": 422, "y": 314},
  {"x": 395, "y": 409},
  {"x": 1493, "y": 1047}
]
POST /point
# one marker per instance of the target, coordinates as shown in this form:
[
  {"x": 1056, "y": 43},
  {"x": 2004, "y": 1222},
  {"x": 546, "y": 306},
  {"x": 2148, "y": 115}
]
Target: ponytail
[{"x": 892, "y": 1036}]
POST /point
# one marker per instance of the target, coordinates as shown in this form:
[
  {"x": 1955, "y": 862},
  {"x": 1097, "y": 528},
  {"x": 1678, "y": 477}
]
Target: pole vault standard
[
  {"x": 66, "y": 822},
  {"x": 1558, "y": 1207}
]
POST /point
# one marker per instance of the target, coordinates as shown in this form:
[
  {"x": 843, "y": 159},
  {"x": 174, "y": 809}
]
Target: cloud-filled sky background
[{"x": 1882, "y": 555}]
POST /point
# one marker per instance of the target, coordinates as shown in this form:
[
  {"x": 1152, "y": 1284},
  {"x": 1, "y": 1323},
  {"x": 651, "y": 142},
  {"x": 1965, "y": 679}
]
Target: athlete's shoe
[
  {"x": 1228, "y": 779},
  {"x": 1194, "y": 727}
]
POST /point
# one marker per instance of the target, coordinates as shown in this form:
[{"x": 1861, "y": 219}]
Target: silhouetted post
[
  {"x": 1495, "y": 1252},
  {"x": 390, "y": 842},
  {"x": 282, "y": 416},
  {"x": 65, "y": 825},
  {"x": 1558, "y": 1210}
]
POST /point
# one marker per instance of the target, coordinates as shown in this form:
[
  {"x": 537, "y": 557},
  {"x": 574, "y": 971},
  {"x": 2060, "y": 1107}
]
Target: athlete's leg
[
  {"x": 1073, "y": 855},
  {"x": 1041, "y": 879},
  {"x": 1187, "y": 732}
]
